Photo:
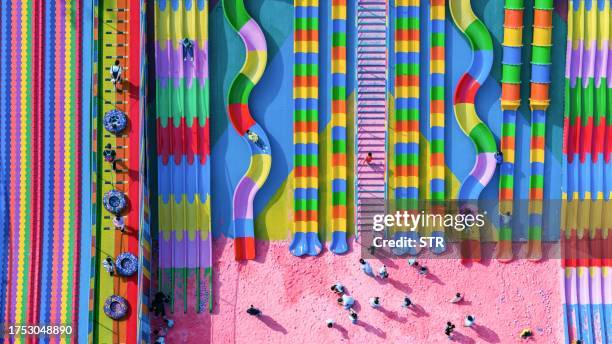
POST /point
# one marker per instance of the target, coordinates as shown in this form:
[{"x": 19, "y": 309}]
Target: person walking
[
  {"x": 423, "y": 270},
  {"x": 115, "y": 71},
  {"x": 329, "y": 323},
  {"x": 469, "y": 321},
  {"x": 382, "y": 272},
  {"x": 187, "y": 49},
  {"x": 375, "y": 302},
  {"x": 346, "y": 301},
  {"x": 407, "y": 302},
  {"x": 109, "y": 266},
  {"x": 338, "y": 288},
  {"x": 353, "y": 316},
  {"x": 450, "y": 327},
  {"x": 253, "y": 311},
  {"x": 109, "y": 155},
  {"x": 158, "y": 304},
  {"x": 526, "y": 333},
  {"x": 458, "y": 298},
  {"x": 366, "y": 267},
  {"x": 119, "y": 224}
]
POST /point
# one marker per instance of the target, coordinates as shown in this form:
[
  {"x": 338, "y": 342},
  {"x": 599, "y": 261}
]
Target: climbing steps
[
  {"x": 371, "y": 130},
  {"x": 118, "y": 34}
]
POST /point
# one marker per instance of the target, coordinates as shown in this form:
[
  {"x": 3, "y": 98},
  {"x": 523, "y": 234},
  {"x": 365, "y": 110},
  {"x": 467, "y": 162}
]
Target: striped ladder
[{"x": 371, "y": 130}]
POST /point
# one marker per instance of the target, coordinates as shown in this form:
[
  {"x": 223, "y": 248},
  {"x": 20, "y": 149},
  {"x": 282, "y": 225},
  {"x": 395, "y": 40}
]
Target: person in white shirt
[
  {"x": 109, "y": 266},
  {"x": 346, "y": 301},
  {"x": 375, "y": 302},
  {"x": 115, "y": 71},
  {"x": 383, "y": 272},
  {"x": 458, "y": 297},
  {"x": 469, "y": 321},
  {"x": 119, "y": 224},
  {"x": 338, "y": 288}
]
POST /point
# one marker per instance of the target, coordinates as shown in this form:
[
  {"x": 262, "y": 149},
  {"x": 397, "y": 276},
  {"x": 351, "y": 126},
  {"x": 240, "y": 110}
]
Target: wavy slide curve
[
  {"x": 240, "y": 116},
  {"x": 465, "y": 112}
]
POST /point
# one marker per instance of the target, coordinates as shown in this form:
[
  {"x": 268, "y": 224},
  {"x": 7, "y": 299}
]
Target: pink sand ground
[{"x": 294, "y": 295}]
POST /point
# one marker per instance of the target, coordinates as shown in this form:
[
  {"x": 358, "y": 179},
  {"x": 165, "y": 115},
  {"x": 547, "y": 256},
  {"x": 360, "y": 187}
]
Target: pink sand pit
[{"x": 295, "y": 298}]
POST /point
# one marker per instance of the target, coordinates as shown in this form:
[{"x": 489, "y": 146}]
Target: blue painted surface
[
  {"x": 86, "y": 212},
  {"x": 5, "y": 139}
]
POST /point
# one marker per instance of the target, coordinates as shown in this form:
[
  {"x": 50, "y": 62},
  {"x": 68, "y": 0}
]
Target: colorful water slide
[
  {"x": 407, "y": 98},
  {"x": 569, "y": 192},
  {"x": 465, "y": 112},
  {"x": 339, "y": 142},
  {"x": 183, "y": 147},
  {"x": 305, "y": 129},
  {"x": 587, "y": 295},
  {"x": 437, "y": 183},
  {"x": 245, "y": 125},
  {"x": 118, "y": 38},
  {"x": 539, "y": 102},
  {"x": 41, "y": 172},
  {"x": 371, "y": 133},
  {"x": 510, "y": 102}
]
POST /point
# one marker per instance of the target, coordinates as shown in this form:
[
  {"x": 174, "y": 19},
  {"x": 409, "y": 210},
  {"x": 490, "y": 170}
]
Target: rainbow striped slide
[
  {"x": 510, "y": 102},
  {"x": 339, "y": 138},
  {"x": 116, "y": 16},
  {"x": 437, "y": 183},
  {"x": 407, "y": 97},
  {"x": 539, "y": 102},
  {"x": 465, "y": 112},
  {"x": 183, "y": 148},
  {"x": 587, "y": 295},
  {"x": 40, "y": 178},
  {"x": 245, "y": 125},
  {"x": 305, "y": 129}
]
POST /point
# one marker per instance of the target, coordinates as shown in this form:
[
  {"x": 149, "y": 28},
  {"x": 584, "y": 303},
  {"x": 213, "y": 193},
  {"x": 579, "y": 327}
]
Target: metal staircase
[{"x": 371, "y": 125}]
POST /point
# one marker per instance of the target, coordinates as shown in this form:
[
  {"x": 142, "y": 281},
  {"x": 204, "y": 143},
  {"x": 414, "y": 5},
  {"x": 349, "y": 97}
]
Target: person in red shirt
[{"x": 368, "y": 159}]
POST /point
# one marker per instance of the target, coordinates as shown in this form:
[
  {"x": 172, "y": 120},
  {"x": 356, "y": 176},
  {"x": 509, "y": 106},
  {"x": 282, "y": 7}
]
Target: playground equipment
[
  {"x": 306, "y": 125},
  {"x": 510, "y": 102},
  {"x": 339, "y": 135},
  {"x": 371, "y": 133},
  {"x": 586, "y": 267},
  {"x": 115, "y": 121},
  {"x": 117, "y": 189},
  {"x": 406, "y": 124},
  {"x": 437, "y": 182},
  {"x": 126, "y": 264},
  {"x": 245, "y": 125},
  {"x": 465, "y": 112},
  {"x": 539, "y": 102},
  {"x": 41, "y": 163},
  {"x": 183, "y": 148},
  {"x": 116, "y": 307},
  {"x": 114, "y": 201}
]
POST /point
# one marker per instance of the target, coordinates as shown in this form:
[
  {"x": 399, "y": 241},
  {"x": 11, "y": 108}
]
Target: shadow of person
[
  {"x": 403, "y": 287},
  {"x": 461, "y": 338},
  {"x": 393, "y": 315},
  {"x": 371, "y": 329},
  {"x": 418, "y": 311},
  {"x": 434, "y": 278},
  {"x": 342, "y": 330},
  {"x": 272, "y": 324},
  {"x": 486, "y": 333}
]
